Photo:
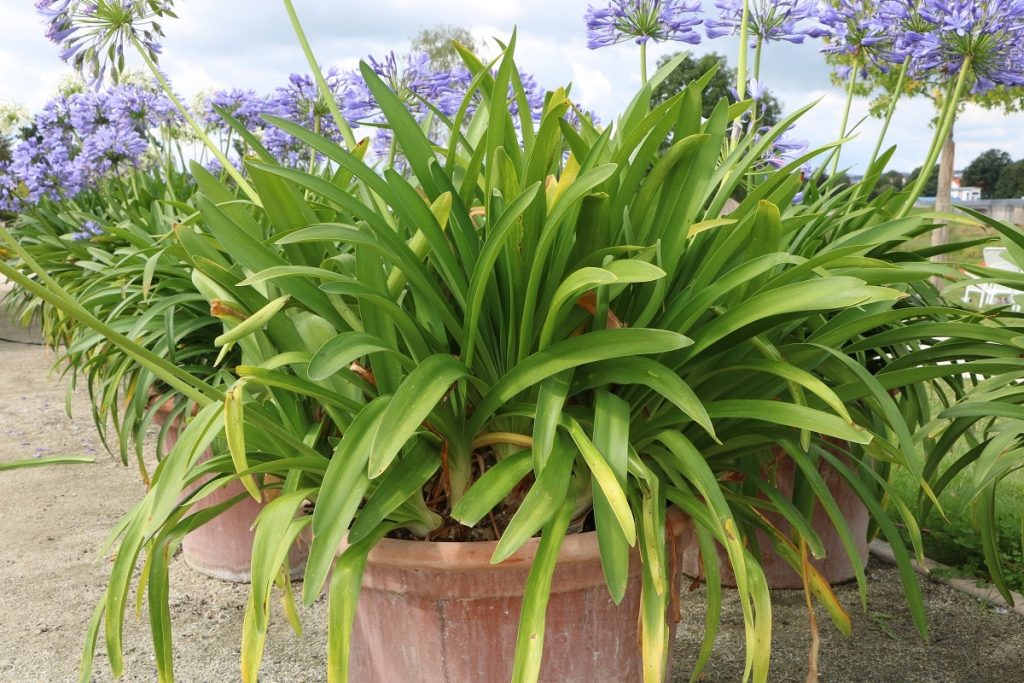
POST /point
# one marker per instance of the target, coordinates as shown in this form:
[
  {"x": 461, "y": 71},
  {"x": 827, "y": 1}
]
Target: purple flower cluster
[
  {"x": 858, "y": 28},
  {"x": 300, "y": 102},
  {"x": 790, "y": 20},
  {"x": 246, "y": 106},
  {"x": 940, "y": 36},
  {"x": 77, "y": 139},
  {"x": 425, "y": 92},
  {"x": 89, "y": 230},
  {"x": 92, "y": 33},
  {"x": 935, "y": 37},
  {"x": 643, "y": 20},
  {"x": 784, "y": 150}
]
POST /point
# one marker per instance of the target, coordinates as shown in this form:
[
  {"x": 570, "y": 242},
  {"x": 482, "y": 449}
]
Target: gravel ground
[{"x": 54, "y": 520}]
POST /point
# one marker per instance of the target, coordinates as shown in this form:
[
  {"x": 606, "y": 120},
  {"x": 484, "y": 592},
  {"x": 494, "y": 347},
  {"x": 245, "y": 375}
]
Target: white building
[{"x": 960, "y": 193}]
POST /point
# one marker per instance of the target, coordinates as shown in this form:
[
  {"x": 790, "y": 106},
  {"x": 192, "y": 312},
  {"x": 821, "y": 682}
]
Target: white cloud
[
  {"x": 218, "y": 44},
  {"x": 590, "y": 85}
]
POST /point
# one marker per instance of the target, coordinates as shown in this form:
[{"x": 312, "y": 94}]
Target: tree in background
[
  {"x": 980, "y": 42},
  {"x": 1011, "y": 181},
  {"x": 890, "y": 180},
  {"x": 721, "y": 85},
  {"x": 931, "y": 187},
  {"x": 985, "y": 170},
  {"x": 438, "y": 44}
]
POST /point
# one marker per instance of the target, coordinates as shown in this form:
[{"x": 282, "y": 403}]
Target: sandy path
[{"x": 53, "y": 521}]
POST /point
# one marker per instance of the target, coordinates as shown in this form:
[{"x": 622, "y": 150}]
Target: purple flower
[
  {"x": 859, "y": 28},
  {"x": 89, "y": 111},
  {"x": 89, "y": 230},
  {"x": 939, "y": 36},
  {"x": 141, "y": 108},
  {"x": 784, "y": 150},
  {"x": 112, "y": 147},
  {"x": 789, "y": 20},
  {"x": 300, "y": 102},
  {"x": 43, "y": 168},
  {"x": 76, "y": 140},
  {"x": 94, "y": 34},
  {"x": 244, "y": 105},
  {"x": 643, "y": 20},
  {"x": 412, "y": 80}
]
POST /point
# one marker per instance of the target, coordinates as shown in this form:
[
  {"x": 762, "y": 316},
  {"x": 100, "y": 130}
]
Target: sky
[{"x": 249, "y": 44}]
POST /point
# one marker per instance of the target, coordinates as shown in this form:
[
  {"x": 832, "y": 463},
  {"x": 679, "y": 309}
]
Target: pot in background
[
  {"x": 835, "y": 566},
  {"x": 222, "y": 548}
]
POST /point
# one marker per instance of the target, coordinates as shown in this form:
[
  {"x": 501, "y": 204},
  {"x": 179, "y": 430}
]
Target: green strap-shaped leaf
[
  {"x": 483, "y": 269},
  {"x": 790, "y": 415},
  {"x": 530, "y": 638},
  {"x": 541, "y": 503},
  {"x": 402, "y": 481},
  {"x": 276, "y": 529},
  {"x": 234, "y": 431},
  {"x": 649, "y": 373},
  {"x": 158, "y": 590},
  {"x": 605, "y": 478},
  {"x": 823, "y": 294},
  {"x": 413, "y": 143},
  {"x": 342, "y": 599},
  {"x": 341, "y": 493},
  {"x": 51, "y": 460},
  {"x": 339, "y": 352},
  {"x": 550, "y": 401},
  {"x": 611, "y": 437},
  {"x": 571, "y": 353},
  {"x": 416, "y": 398},
  {"x": 489, "y": 490}
]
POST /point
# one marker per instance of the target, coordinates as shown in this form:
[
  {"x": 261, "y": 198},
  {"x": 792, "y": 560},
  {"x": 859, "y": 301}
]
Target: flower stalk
[
  {"x": 321, "y": 82},
  {"x": 235, "y": 174},
  {"x": 890, "y": 110},
  {"x": 945, "y": 124},
  {"x": 854, "y": 72}
]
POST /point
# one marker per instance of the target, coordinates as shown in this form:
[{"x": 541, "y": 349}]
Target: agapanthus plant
[
  {"x": 300, "y": 101},
  {"x": 78, "y": 139},
  {"x": 959, "y": 45},
  {"x": 792, "y": 21},
  {"x": 92, "y": 34},
  {"x": 946, "y": 36},
  {"x": 643, "y": 21},
  {"x": 245, "y": 106}
]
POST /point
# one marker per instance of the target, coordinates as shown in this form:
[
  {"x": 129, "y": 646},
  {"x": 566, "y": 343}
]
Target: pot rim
[{"x": 476, "y": 555}]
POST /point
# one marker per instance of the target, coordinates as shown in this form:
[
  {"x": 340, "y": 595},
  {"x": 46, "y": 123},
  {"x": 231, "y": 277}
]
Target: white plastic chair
[
  {"x": 979, "y": 291},
  {"x": 993, "y": 293},
  {"x": 996, "y": 257}
]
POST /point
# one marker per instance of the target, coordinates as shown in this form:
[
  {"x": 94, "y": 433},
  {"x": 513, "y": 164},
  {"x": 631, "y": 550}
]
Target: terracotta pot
[
  {"x": 835, "y": 566},
  {"x": 222, "y": 548},
  {"x": 441, "y": 613}
]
